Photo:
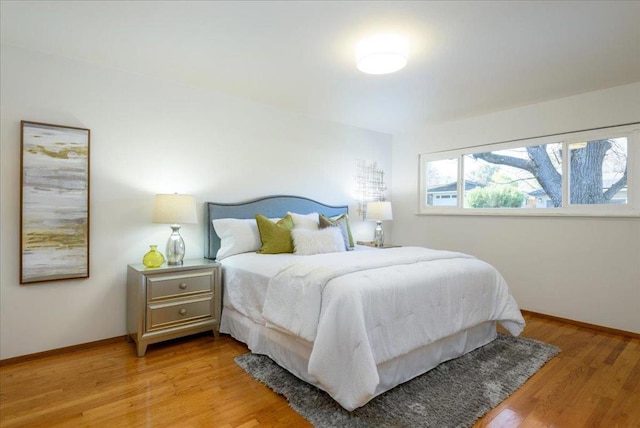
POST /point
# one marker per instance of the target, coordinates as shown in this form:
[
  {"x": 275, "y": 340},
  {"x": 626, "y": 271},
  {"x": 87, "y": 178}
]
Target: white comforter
[{"x": 363, "y": 308}]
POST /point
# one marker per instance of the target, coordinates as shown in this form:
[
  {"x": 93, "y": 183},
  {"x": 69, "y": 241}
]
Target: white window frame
[{"x": 630, "y": 209}]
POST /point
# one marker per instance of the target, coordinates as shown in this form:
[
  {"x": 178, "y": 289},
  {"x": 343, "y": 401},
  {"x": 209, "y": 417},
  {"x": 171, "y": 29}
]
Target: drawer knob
[
  {"x": 182, "y": 311},
  {"x": 182, "y": 286}
]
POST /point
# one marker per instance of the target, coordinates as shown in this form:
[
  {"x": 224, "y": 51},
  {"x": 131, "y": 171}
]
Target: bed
[{"x": 353, "y": 323}]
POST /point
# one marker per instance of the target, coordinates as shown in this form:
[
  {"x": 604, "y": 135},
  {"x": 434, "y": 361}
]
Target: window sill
[{"x": 520, "y": 212}]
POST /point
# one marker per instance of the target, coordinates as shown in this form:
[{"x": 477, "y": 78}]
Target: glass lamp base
[
  {"x": 378, "y": 237},
  {"x": 175, "y": 246}
]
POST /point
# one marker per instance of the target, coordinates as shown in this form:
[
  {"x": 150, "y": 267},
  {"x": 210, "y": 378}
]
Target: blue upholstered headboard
[{"x": 270, "y": 206}]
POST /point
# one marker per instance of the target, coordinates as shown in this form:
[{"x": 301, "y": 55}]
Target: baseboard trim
[
  {"x": 59, "y": 351},
  {"x": 584, "y": 324}
]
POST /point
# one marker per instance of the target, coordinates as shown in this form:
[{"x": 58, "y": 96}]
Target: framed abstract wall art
[{"x": 54, "y": 203}]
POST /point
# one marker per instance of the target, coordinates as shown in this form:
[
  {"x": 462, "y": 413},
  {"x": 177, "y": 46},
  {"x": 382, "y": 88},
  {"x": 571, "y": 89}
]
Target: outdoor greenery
[{"x": 495, "y": 197}]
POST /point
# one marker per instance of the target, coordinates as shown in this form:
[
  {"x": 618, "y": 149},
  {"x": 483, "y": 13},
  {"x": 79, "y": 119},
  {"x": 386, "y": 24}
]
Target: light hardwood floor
[{"x": 194, "y": 382}]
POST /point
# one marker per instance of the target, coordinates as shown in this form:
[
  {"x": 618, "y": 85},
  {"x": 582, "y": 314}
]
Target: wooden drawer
[
  {"x": 171, "y": 286},
  {"x": 161, "y": 315}
]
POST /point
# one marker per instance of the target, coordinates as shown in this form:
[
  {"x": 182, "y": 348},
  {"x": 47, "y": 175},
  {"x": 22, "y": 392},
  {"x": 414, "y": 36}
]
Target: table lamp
[
  {"x": 379, "y": 211},
  {"x": 175, "y": 210}
]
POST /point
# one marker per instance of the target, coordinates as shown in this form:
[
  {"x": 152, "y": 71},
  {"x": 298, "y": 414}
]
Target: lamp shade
[
  {"x": 175, "y": 209},
  {"x": 379, "y": 211},
  {"x": 382, "y": 54}
]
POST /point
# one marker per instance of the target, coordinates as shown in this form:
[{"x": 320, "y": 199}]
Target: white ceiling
[{"x": 466, "y": 58}]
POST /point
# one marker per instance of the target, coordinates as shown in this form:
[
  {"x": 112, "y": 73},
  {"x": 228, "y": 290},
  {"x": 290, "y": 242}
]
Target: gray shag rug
[{"x": 454, "y": 394}]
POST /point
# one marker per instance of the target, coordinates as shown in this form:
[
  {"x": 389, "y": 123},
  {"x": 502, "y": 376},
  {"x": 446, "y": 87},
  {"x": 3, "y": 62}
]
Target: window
[
  {"x": 585, "y": 173},
  {"x": 506, "y": 179},
  {"x": 441, "y": 180},
  {"x": 598, "y": 172}
]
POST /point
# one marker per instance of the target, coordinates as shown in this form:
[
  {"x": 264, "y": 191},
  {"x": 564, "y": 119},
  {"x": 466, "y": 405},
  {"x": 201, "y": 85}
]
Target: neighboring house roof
[{"x": 452, "y": 187}]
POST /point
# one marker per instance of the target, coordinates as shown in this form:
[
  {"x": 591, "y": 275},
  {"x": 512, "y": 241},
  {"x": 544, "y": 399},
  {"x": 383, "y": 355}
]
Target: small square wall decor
[{"x": 54, "y": 203}]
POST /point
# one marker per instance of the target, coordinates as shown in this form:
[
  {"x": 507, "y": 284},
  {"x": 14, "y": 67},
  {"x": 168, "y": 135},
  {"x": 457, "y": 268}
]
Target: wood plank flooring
[{"x": 194, "y": 382}]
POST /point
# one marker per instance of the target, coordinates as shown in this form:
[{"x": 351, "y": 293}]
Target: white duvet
[{"x": 363, "y": 308}]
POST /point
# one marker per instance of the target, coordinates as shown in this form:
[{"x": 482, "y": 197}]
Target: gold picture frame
[{"x": 54, "y": 202}]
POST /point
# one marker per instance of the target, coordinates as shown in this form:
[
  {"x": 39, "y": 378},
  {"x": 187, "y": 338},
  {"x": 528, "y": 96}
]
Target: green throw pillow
[{"x": 275, "y": 237}]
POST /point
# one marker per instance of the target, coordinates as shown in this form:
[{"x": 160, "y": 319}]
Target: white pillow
[
  {"x": 307, "y": 242},
  {"x": 305, "y": 221},
  {"x": 236, "y": 236}
]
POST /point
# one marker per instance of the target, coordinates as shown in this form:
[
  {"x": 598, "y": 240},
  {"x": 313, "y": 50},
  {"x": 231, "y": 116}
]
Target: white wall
[
  {"x": 147, "y": 137},
  {"x": 585, "y": 269}
]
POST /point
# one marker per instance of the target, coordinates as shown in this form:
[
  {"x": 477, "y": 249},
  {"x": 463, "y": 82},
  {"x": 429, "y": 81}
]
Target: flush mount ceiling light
[{"x": 382, "y": 54}]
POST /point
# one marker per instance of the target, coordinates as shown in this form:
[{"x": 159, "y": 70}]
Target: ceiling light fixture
[{"x": 382, "y": 54}]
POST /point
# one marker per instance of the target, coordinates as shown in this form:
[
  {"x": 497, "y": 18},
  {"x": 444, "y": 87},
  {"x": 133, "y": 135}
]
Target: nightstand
[
  {"x": 372, "y": 244},
  {"x": 172, "y": 301}
]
